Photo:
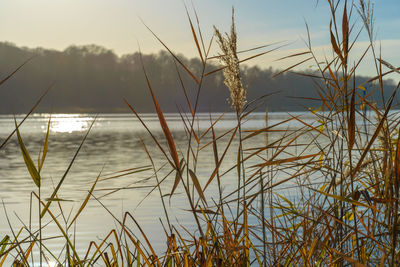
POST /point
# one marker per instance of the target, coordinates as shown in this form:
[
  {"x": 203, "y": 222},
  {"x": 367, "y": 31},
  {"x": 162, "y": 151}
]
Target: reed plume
[{"x": 229, "y": 58}]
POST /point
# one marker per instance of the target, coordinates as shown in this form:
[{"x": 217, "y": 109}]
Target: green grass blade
[
  {"x": 4, "y": 243},
  {"x": 45, "y": 146},
  {"x": 27, "y": 158}
]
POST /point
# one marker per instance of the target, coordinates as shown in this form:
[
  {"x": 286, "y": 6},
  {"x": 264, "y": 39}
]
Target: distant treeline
[{"x": 94, "y": 79}]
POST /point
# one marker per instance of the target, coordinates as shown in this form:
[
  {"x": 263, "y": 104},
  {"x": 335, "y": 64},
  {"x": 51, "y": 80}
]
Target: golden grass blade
[
  {"x": 127, "y": 214},
  {"x": 124, "y": 172},
  {"x": 127, "y": 172},
  {"x": 53, "y": 195},
  {"x": 15, "y": 243},
  {"x": 294, "y": 55},
  {"x": 175, "y": 249},
  {"x": 291, "y": 67},
  {"x": 308, "y": 125},
  {"x": 138, "y": 257},
  {"x": 197, "y": 185},
  {"x": 98, "y": 247},
  {"x": 335, "y": 46},
  {"x": 178, "y": 177},
  {"x": 92, "y": 260},
  {"x": 127, "y": 232},
  {"x": 348, "y": 259},
  {"x": 106, "y": 260},
  {"x": 287, "y": 160},
  {"x": 205, "y": 211},
  {"x": 84, "y": 202},
  {"x": 342, "y": 198},
  {"x": 163, "y": 122},
  {"x": 199, "y": 31},
  {"x": 337, "y": 86},
  {"x": 29, "y": 250},
  {"x": 148, "y": 130},
  {"x": 45, "y": 146},
  {"x": 246, "y": 236},
  {"x": 167, "y": 133},
  {"x": 128, "y": 255},
  {"x": 58, "y": 199},
  {"x": 345, "y": 33},
  {"x": 54, "y": 219},
  {"x": 195, "y": 37},
  {"x": 114, "y": 254},
  {"x": 27, "y": 158}
]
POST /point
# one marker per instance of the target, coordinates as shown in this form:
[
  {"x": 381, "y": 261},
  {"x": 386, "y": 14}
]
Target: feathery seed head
[{"x": 231, "y": 71}]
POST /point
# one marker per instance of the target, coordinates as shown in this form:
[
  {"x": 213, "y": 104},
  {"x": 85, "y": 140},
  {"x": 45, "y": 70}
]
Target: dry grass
[{"x": 346, "y": 176}]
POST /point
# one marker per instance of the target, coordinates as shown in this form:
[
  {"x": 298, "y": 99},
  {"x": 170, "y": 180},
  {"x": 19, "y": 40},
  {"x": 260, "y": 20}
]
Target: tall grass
[{"x": 343, "y": 169}]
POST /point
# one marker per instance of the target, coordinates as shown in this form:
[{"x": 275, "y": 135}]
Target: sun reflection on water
[{"x": 62, "y": 123}]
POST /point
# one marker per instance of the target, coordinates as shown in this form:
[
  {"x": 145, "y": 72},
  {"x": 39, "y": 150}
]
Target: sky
[{"x": 119, "y": 25}]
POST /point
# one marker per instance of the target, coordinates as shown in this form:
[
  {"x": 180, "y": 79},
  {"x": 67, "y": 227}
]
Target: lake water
[{"x": 113, "y": 145}]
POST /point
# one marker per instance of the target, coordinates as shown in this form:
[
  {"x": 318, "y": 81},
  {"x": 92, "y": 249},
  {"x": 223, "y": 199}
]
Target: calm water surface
[{"x": 112, "y": 146}]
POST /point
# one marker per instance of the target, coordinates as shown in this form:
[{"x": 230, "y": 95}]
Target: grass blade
[
  {"x": 178, "y": 177},
  {"x": 45, "y": 146},
  {"x": 85, "y": 201},
  {"x": 173, "y": 55},
  {"x": 287, "y": 160},
  {"x": 345, "y": 33},
  {"x": 195, "y": 37},
  {"x": 352, "y": 120},
  {"x": 335, "y": 46},
  {"x": 4, "y": 243},
  {"x": 27, "y": 158},
  {"x": 197, "y": 185},
  {"x": 53, "y": 195},
  {"x": 27, "y": 115},
  {"x": 163, "y": 123},
  {"x": 17, "y": 69}
]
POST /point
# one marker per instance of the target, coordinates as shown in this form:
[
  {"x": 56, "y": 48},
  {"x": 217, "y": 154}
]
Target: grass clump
[{"x": 343, "y": 171}]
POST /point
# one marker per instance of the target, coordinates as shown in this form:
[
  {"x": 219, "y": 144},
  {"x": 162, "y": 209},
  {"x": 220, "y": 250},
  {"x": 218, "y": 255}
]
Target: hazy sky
[{"x": 116, "y": 24}]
